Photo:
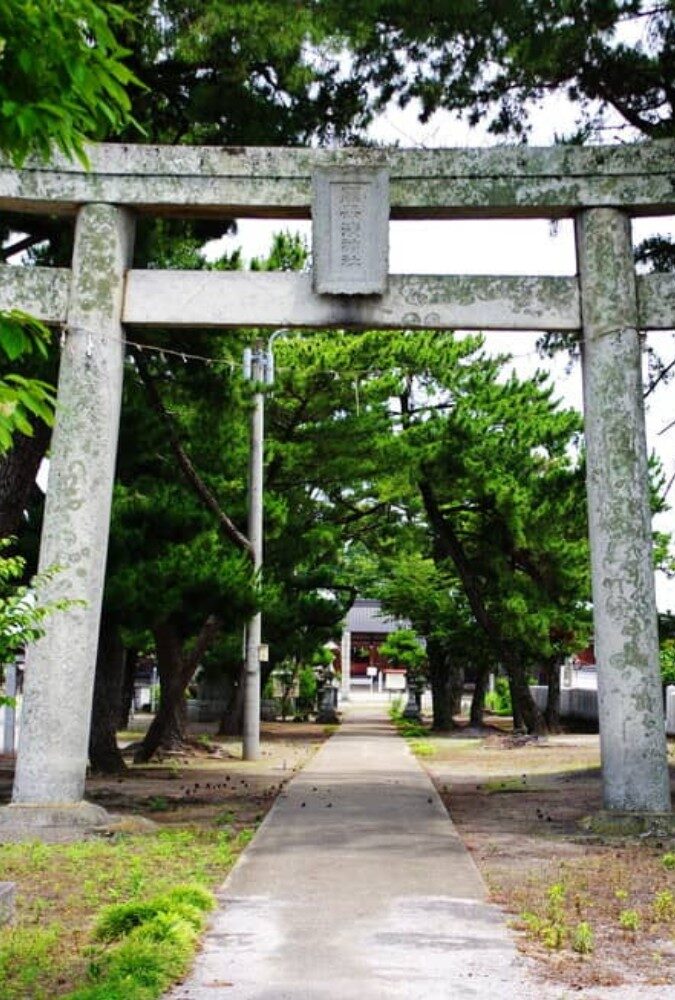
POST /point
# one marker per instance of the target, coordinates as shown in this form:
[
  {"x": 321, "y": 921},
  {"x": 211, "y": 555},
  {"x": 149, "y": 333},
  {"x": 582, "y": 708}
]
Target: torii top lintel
[{"x": 500, "y": 182}]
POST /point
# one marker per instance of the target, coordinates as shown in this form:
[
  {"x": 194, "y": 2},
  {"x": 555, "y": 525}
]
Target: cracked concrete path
[{"x": 357, "y": 887}]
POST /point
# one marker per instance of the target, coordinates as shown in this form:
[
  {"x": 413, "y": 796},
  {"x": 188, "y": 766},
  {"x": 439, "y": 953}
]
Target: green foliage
[
  {"x": 494, "y": 61},
  {"x": 188, "y": 901},
  {"x": 667, "y": 659},
  {"x": 307, "y": 686},
  {"x": 24, "y": 954},
  {"x": 629, "y": 920},
  {"x": 550, "y": 927},
  {"x": 403, "y": 649},
  {"x": 264, "y": 72},
  {"x": 22, "y": 612},
  {"x": 668, "y": 861},
  {"x": 422, "y": 748},
  {"x": 146, "y": 875},
  {"x": 663, "y": 906},
  {"x": 22, "y": 399},
  {"x": 149, "y": 943},
  {"x": 583, "y": 940},
  {"x": 499, "y": 700},
  {"x": 62, "y": 76}
]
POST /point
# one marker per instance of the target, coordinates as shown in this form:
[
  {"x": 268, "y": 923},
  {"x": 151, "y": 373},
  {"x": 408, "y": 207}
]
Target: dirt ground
[
  {"x": 517, "y": 804},
  {"x": 211, "y": 785}
]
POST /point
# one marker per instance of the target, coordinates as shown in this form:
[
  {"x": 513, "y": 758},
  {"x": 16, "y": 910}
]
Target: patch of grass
[
  {"x": 410, "y": 728},
  {"x": 663, "y": 907},
  {"x": 25, "y": 953},
  {"x": 507, "y": 785},
  {"x": 629, "y": 920},
  {"x": 158, "y": 803},
  {"x": 149, "y": 944},
  {"x": 583, "y": 941},
  {"x": 668, "y": 861},
  {"x": 422, "y": 748},
  {"x": 59, "y": 940}
]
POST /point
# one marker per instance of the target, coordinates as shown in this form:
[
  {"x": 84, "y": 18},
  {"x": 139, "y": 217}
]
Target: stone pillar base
[
  {"x": 59, "y": 823},
  {"x": 7, "y": 894},
  {"x": 611, "y": 823}
]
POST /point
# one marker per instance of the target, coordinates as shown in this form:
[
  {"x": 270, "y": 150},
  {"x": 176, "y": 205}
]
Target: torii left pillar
[{"x": 47, "y": 800}]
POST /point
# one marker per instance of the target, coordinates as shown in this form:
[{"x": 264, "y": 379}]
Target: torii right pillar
[{"x": 630, "y": 703}]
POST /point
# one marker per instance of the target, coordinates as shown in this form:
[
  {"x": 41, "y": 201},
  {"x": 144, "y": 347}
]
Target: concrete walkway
[{"x": 357, "y": 887}]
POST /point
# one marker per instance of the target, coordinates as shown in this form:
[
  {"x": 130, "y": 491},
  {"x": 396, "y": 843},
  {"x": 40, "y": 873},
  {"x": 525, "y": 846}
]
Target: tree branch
[
  {"x": 227, "y": 526},
  {"x": 25, "y": 244}
]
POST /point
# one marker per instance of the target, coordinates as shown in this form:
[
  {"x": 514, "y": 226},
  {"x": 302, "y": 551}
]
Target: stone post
[
  {"x": 346, "y": 664},
  {"x": 9, "y": 726},
  {"x": 48, "y": 790},
  {"x": 632, "y": 735}
]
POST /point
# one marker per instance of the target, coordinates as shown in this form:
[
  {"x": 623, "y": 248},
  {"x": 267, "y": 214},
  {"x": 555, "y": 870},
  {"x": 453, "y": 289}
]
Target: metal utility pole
[
  {"x": 258, "y": 368},
  {"x": 256, "y": 360}
]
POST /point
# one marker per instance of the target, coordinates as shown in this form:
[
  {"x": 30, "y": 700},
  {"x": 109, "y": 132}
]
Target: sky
[{"x": 505, "y": 247}]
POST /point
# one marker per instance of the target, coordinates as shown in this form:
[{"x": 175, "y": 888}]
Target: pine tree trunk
[
  {"x": 526, "y": 714},
  {"x": 18, "y": 469},
  {"x": 447, "y": 685},
  {"x": 104, "y": 754},
  {"x": 126, "y": 702},
  {"x": 552, "y": 713},
  {"x": 168, "y": 729},
  {"x": 441, "y": 687},
  {"x": 176, "y": 668},
  {"x": 478, "y": 700}
]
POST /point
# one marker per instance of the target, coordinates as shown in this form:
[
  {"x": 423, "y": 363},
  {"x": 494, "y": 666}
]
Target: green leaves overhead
[
  {"x": 62, "y": 76},
  {"x": 492, "y": 61},
  {"x": 22, "y": 399},
  {"x": 255, "y": 72}
]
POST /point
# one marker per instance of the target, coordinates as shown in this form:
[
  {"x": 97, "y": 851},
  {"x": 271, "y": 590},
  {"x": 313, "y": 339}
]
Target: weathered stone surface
[
  {"x": 41, "y": 291},
  {"x": 632, "y": 736},
  {"x": 220, "y": 298},
  {"x": 506, "y": 181},
  {"x": 7, "y": 896},
  {"x": 59, "y": 674},
  {"x": 612, "y": 823},
  {"x": 350, "y": 232},
  {"x": 51, "y": 823},
  {"x": 656, "y": 301},
  {"x": 184, "y": 298}
]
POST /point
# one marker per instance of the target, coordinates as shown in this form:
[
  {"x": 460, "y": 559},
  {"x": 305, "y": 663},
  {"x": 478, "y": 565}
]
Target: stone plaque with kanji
[{"x": 350, "y": 231}]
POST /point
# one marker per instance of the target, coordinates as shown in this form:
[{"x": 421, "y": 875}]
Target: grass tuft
[{"x": 150, "y": 944}]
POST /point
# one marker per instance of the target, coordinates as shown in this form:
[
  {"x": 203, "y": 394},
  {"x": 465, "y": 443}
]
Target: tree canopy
[
  {"x": 63, "y": 78},
  {"x": 493, "y": 61}
]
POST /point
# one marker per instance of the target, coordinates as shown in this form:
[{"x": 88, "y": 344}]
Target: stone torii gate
[{"x": 351, "y": 194}]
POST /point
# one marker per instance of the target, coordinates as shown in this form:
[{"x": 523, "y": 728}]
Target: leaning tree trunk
[
  {"x": 526, "y": 715},
  {"x": 176, "y": 668},
  {"x": 104, "y": 754},
  {"x": 479, "y": 692},
  {"x": 552, "y": 713}
]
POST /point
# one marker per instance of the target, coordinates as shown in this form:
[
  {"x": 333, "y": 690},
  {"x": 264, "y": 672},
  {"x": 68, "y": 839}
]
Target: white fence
[{"x": 582, "y": 703}]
